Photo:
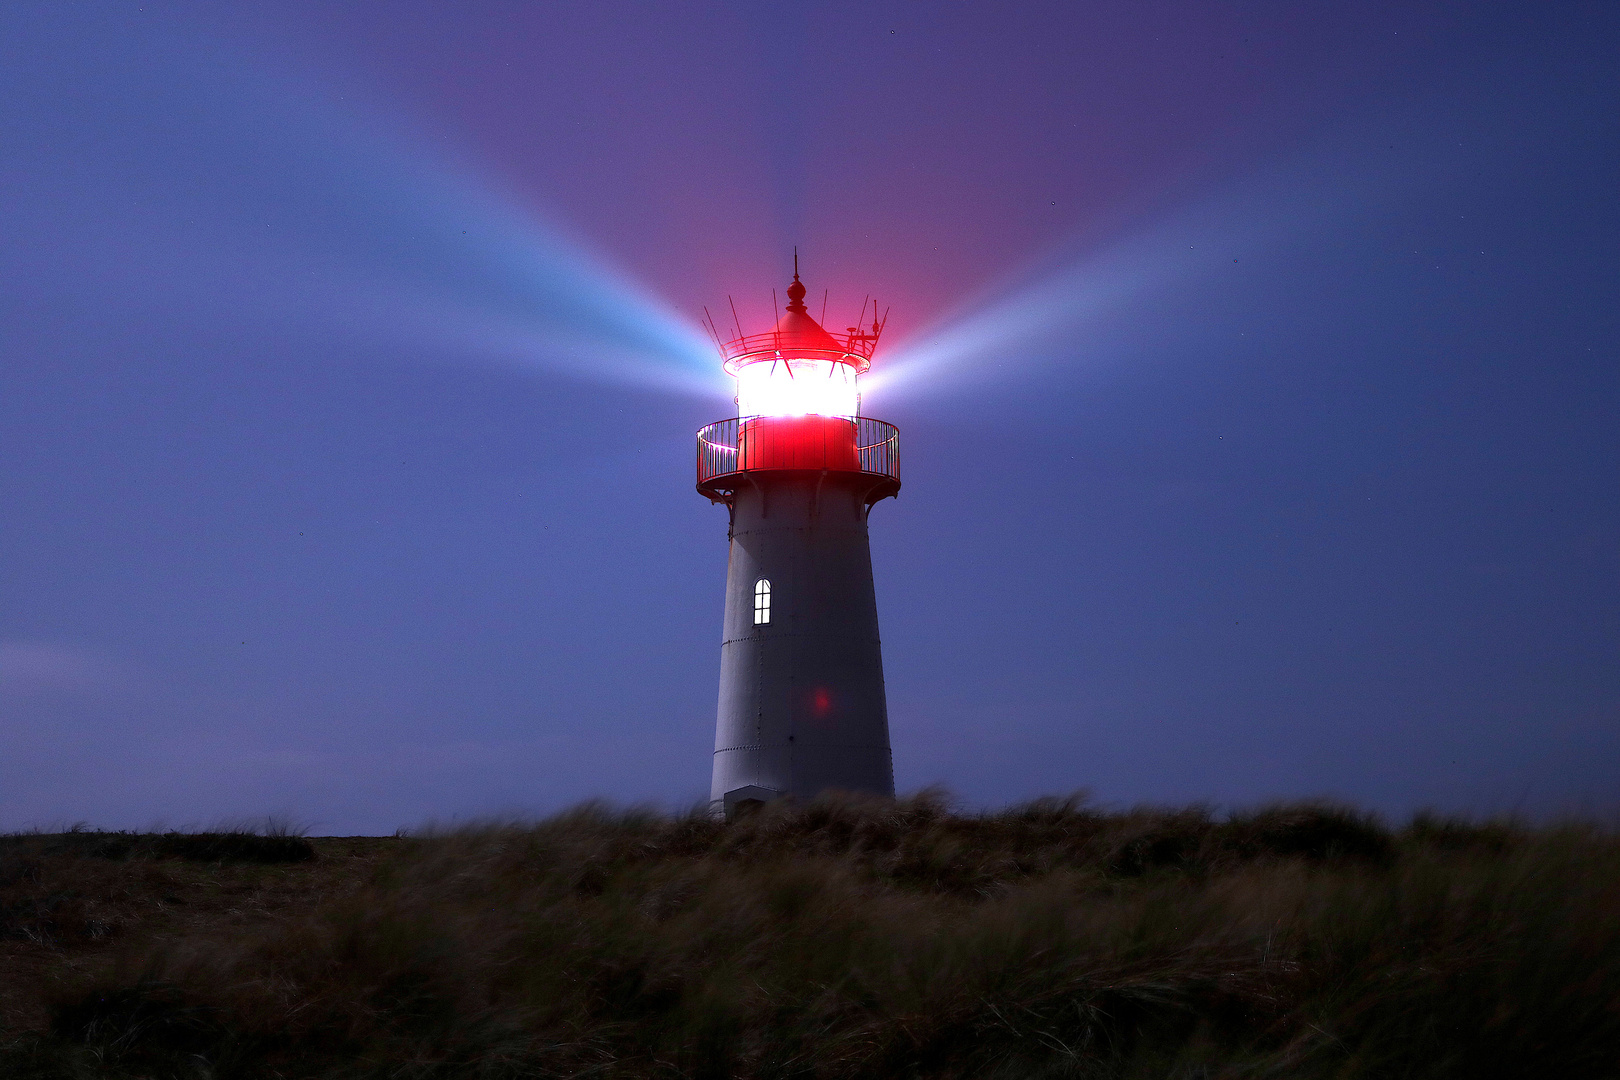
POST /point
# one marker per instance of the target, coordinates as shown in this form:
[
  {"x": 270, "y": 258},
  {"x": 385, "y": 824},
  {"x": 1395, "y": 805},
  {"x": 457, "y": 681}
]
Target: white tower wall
[{"x": 802, "y": 707}]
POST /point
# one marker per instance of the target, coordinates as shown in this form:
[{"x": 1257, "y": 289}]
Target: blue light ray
[
  {"x": 1065, "y": 320},
  {"x": 156, "y": 172}
]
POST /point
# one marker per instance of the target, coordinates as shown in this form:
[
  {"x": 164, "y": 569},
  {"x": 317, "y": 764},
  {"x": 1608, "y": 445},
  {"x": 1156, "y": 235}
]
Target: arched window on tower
[{"x": 762, "y": 602}]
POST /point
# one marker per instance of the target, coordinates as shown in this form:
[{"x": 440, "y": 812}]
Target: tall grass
[
  {"x": 853, "y": 939},
  {"x": 274, "y": 842}
]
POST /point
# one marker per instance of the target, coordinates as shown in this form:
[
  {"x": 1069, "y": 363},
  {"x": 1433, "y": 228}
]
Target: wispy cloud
[{"x": 30, "y": 668}]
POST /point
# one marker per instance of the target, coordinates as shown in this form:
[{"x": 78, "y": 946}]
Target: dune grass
[{"x": 856, "y": 939}]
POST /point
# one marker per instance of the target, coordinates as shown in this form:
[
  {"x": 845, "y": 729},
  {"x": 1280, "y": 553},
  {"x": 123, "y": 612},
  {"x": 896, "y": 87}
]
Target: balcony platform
[{"x": 734, "y": 452}]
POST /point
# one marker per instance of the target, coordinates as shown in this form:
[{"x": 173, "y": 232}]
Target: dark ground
[{"x": 841, "y": 939}]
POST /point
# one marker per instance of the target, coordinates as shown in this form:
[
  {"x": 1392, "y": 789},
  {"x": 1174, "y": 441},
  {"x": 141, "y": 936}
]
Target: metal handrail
[
  {"x": 876, "y": 452},
  {"x": 856, "y": 344},
  {"x": 857, "y": 363}
]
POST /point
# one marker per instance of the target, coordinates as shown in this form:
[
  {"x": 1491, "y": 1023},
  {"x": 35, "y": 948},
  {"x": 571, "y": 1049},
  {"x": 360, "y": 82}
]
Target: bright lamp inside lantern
[{"x": 797, "y": 387}]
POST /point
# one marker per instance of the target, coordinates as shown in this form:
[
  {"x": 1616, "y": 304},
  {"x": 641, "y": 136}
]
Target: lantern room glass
[{"x": 797, "y": 387}]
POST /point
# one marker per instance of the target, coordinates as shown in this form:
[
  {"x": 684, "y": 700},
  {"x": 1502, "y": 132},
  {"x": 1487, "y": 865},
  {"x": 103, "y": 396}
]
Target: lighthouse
[{"x": 802, "y": 706}]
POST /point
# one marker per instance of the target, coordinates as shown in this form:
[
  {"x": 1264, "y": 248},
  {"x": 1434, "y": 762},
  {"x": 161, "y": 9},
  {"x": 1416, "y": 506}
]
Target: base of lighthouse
[{"x": 802, "y": 707}]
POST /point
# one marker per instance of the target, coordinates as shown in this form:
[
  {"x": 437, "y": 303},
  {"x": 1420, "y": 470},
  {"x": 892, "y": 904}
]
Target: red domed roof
[
  {"x": 797, "y": 330},
  {"x": 797, "y": 334}
]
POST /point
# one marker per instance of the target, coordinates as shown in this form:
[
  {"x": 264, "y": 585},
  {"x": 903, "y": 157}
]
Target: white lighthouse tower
[{"x": 802, "y": 706}]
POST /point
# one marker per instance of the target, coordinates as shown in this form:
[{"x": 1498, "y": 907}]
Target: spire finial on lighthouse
[{"x": 796, "y": 290}]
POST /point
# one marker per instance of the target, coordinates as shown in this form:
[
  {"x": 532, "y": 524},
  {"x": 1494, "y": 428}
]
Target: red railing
[
  {"x": 855, "y": 350},
  {"x": 728, "y": 450}
]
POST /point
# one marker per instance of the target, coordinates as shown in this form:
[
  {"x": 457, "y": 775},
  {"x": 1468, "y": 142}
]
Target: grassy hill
[{"x": 839, "y": 939}]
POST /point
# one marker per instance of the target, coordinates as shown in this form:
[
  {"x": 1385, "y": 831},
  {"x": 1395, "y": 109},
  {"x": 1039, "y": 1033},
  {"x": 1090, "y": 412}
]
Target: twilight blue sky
[{"x": 1256, "y": 366}]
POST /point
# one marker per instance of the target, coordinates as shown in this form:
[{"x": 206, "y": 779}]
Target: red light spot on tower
[{"x": 821, "y": 701}]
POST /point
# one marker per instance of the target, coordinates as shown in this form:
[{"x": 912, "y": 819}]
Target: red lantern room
[{"x": 798, "y": 406}]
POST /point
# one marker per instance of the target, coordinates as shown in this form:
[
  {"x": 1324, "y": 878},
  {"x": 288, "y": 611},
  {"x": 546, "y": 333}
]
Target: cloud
[{"x": 31, "y": 668}]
